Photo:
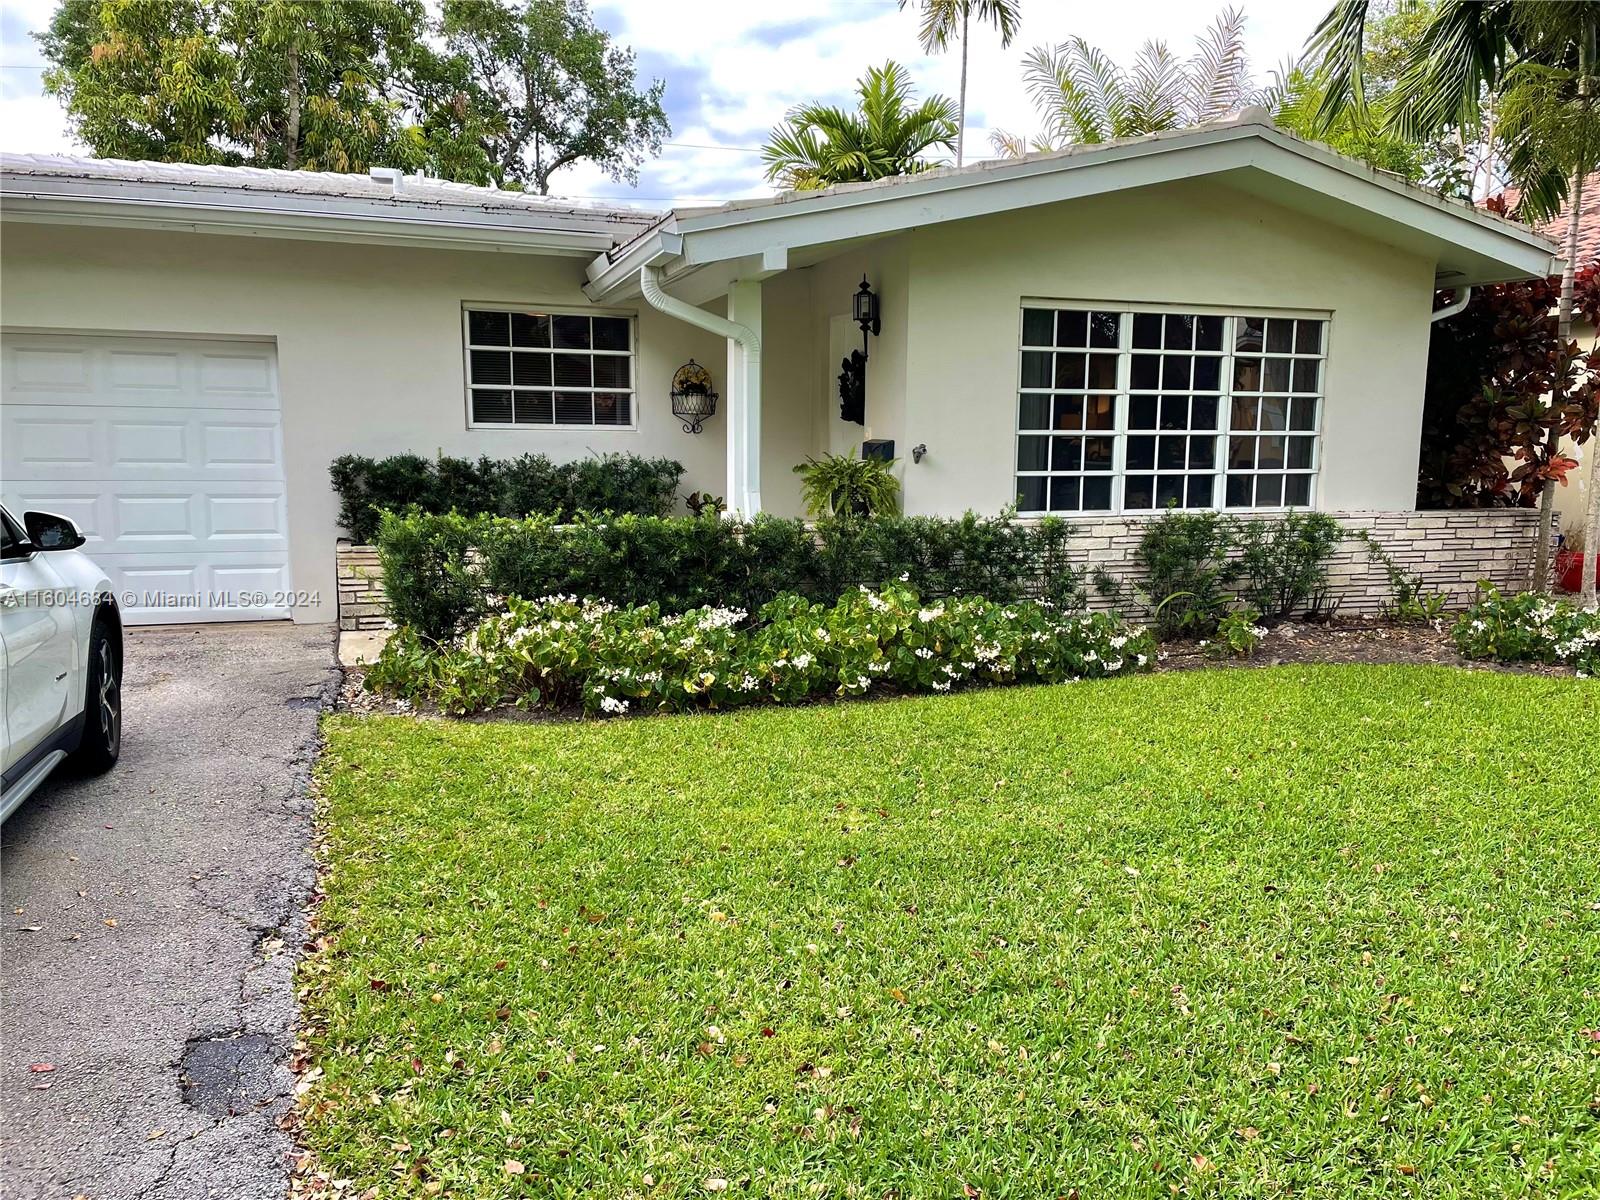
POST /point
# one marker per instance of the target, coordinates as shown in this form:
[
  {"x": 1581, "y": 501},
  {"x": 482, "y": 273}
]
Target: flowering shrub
[
  {"x": 560, "y": 650},
  {"x": 1530, "y": 628}
]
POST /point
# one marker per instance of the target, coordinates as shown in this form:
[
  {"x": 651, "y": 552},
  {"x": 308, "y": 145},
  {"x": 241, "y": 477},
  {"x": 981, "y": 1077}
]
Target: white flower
[
  {"x": 802, "y": 661},
  {"x": 924, "y": 652},
  {"x": 612, "y": 705},
  {"x": 929, "y": 614}
]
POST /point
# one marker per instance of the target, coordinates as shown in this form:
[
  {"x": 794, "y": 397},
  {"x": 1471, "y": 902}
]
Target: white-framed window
[
  {"x": 1131, "y": 408},
  {"x": 555, "y": 370}
]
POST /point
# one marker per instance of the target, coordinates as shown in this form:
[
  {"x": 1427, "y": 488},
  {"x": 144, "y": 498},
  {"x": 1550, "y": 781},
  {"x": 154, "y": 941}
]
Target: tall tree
[
  {"x": 275, "y": 83},
  {"x": 944, "y": 21},
  {"x": 549, "y": 89},
  {"x": 1083, "y": 96},
  {"x": 1535, "y": 59},
  {"x": 888, "y": 134}
]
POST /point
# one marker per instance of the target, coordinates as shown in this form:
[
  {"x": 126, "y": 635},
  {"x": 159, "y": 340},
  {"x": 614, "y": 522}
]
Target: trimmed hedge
[
  {"x": 443, "y": 572},
  {"x": 514, "y": 487}
]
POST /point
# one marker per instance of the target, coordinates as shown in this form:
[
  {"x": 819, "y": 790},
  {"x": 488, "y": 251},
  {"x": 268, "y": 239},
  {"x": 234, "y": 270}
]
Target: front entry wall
[
  {"x": 368, "y": 344},
  {"x": 945, "y": 371}
]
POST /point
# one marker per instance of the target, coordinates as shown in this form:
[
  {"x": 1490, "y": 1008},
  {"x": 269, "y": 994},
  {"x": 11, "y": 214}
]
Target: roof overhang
[
  {"x": 1468, "y": 245},
  {"x": 137, "y": 204}
]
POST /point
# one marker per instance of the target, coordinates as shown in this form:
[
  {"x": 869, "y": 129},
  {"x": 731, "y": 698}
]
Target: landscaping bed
[{"x": 1315, "y": 929}]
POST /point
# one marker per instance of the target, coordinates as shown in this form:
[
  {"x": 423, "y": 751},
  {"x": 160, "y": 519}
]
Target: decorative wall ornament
[
  {"x": 853, "y": 388},
  {"x": 693, "y": 398}
]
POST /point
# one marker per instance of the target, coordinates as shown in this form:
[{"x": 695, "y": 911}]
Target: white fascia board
[
  {"x": 274, "y": 215},
  {"x": 768, "y": 228}
]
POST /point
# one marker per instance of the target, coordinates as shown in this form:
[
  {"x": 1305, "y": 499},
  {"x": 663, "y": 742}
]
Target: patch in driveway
[{"x": 161, "y": 908}]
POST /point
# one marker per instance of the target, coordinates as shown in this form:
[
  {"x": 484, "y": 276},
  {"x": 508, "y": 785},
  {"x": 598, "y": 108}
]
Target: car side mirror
[{"x": 47, "y": 531}]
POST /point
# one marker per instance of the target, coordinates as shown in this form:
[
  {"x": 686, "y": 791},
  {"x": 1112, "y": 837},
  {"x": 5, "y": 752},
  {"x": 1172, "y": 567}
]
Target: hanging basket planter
[{"x": 693, "y": 398}]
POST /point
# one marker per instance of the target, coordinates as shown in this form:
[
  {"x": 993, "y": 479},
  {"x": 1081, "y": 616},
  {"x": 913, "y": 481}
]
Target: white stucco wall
[
  {"x": 368, "y": 341},
  {"x": 945, "y": 370}
]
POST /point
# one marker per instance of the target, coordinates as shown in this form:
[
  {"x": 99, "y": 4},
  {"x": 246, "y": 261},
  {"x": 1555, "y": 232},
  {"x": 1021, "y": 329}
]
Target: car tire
[{"x": 100, "y": 743}]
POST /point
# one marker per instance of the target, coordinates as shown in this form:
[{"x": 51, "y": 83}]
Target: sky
[{"x": 734, "y": 67}]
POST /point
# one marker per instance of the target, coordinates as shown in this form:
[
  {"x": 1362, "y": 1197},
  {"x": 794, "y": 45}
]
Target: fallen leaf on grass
[
  {"x": 378, "y": 985},
  {"x": 1203, "y": 1164},
  {"x": 513, "y": 1167},
  {"x": 714, "y": 1184}
]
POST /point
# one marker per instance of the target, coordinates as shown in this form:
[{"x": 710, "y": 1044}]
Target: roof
[
  {"x": 382, "y": 206},
  {"x": 1556, "y": 227},
  {"x": 1469, "y": 244}
]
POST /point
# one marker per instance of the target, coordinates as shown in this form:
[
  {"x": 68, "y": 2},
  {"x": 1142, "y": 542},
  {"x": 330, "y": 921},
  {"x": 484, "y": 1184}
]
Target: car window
[{"x": 13, "y": 542}]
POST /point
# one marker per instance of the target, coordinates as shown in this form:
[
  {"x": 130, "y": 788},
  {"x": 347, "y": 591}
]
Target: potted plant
[
  {"x": 837, "y": 485},
  {"x": 1571, "y": 558}
]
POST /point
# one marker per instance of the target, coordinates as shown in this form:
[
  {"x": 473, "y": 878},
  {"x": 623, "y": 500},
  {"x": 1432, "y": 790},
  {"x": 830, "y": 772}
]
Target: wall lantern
[
  {"x": 853, "y": 370},
  {"x": 866, "y": 312},
  {"x": 693, "y": 399}
]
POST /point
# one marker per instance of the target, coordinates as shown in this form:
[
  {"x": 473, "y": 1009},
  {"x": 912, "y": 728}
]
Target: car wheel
[{"x": 101, "y": 740}]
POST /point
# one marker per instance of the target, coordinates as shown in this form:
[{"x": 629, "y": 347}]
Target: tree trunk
[
  {"x": 1552, "y": 444},
  {"x": 292, "y": 122},
  {"x": 1591, "y": 527},
  {"x": 1547, "y": 497},
  {"x": 961, "y": 116}
]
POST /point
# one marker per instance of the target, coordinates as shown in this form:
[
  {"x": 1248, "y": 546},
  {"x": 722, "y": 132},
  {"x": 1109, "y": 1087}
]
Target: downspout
[
  {"x": 1455, "y": 306},
  {"x": 748, "y": 431}
]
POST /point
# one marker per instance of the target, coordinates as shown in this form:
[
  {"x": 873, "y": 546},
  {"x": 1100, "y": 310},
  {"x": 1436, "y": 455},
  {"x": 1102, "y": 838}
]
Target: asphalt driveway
[{"x": 150, "y": 925}]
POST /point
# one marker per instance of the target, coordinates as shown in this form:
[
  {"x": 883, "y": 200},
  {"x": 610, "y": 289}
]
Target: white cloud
[{"x": 733, "y": 68}]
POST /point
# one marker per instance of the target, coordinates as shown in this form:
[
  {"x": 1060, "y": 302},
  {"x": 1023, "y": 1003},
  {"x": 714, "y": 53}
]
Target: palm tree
[
  {"x": 1535, "y": 60},
  {"x": 820, "y": 145},
  {"x": 944, "y": 20},
  {"x": 1083, "y": 96}
]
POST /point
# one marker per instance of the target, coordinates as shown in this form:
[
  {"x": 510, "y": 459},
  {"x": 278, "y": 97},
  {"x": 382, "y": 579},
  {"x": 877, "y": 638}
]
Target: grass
[{"x": 1329, "y": 931}]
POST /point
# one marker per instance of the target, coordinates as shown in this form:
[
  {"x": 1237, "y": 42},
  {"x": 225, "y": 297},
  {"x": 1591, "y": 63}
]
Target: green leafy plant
[
  {"x": 443, "y": 572},
  {"x": 563, "y": 651},
  {"x": 1410, "y": 597},
  {"x": 530, "y": 484},
  {"x": 1188, "y": 572},
  {"x": 820, "y": 145},
  {"x": 1283, "y": 562},
  {"x": 700, "y": 504},
  {"x": 839, "y": 485},
  {"x": 1239, "y": 634},
  {"x": 1530, "y": 627}
]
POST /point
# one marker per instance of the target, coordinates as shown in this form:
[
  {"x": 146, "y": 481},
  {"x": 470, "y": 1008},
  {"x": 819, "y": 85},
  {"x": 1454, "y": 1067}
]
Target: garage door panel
[
  {"x": 108, "y": 445},
  {"x": 167, "y": 453},
  {"x": 38, "y": 440},
  {"x": 49, "y": 368},
  {"x": 214, "y": 587}
]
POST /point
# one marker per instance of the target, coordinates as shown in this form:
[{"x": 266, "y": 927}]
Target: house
[{"x": 1220, "y": 316}]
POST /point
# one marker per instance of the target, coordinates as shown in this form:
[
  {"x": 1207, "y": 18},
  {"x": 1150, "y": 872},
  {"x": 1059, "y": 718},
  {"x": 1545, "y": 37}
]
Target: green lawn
[{"x": 1330, "y": 931}]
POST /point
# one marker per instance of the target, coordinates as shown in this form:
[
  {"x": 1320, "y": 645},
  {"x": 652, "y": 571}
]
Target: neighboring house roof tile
[{"x": 1556, "y": 227}]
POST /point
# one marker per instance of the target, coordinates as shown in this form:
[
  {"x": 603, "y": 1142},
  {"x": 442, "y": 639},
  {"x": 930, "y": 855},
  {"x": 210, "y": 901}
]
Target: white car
[{"x": 60, "y": 689}]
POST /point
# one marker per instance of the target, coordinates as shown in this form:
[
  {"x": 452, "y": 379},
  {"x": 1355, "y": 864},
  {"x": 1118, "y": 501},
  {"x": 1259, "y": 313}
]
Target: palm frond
[
  {"x": 1102, "y": 85},
  {"x": 1156, "y": 88},
  {"x": 1338, "y": 43},
  {"x": 1465, "y": 50},
  {"x": 1220, "y": 68}
]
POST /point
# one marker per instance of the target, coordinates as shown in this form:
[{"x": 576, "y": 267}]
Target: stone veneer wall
[
  {"x": 362, "y": 603},
  {"x": 1451, "y": 550}
]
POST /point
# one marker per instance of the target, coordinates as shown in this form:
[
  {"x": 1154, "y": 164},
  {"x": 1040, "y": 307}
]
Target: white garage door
[{"x": 168, "y": 453}]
